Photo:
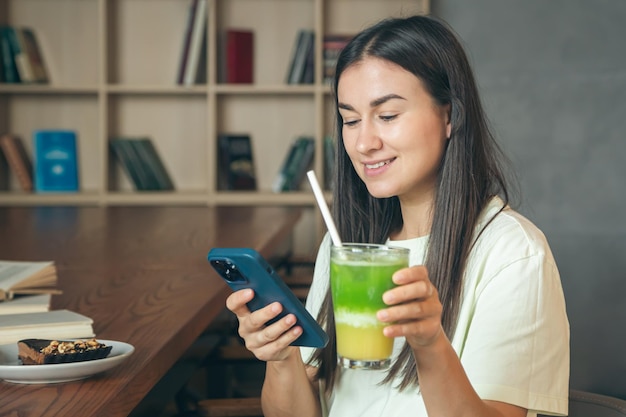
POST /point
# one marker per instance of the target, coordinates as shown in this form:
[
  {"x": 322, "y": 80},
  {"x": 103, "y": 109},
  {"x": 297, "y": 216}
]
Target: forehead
[{"x": 372, "y": 77}]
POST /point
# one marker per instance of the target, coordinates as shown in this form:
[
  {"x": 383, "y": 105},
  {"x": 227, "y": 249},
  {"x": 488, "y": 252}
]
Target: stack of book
[
  {"x": 25, "y": 292},
  {"x": 21, "y": 60},
  {"x": 140, "y": 160}
]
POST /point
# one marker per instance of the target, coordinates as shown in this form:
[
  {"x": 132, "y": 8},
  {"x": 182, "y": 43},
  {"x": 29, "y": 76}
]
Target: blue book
[{"x": 56, "y": 160}]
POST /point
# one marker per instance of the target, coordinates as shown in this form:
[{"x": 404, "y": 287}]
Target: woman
[{"x": 479, "y": 318}]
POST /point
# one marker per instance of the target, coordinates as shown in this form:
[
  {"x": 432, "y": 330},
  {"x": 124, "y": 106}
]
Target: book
[
  {"x": 332, "y": 46},
  {"x": 23, "y": 277},
  {"x": 11, "y": 74},
  {"x": 198, "y": 39},
  {"x": 329, "y": 161},
  {"x": 55, "y": 161},
  {"x": 54, "y": 324},
  {"x": 308, "y": 73},
  {"x": 34, "y": 53},
  {"x": 303, "y": 159},
  {"x": 303, "y": 46},
  {"x": 150, "y": 159},
  {"x": 20, "y": 56},
  {"x": 26, "y": 304},
  {"x": 294, "y": 166},
  {"x": 2, "y": 76},
  {"x": 18, "y": 160},
  {"x": 281, "y": 176},
  {"x": 182, "y": 63},
  {"x": 235, "y": 162},
  {"x": 140, "y": 160},
  {"x": 120, "y": 148},
  {"x": 5, "y": 180},
  {"x": 237, "y": 56}
]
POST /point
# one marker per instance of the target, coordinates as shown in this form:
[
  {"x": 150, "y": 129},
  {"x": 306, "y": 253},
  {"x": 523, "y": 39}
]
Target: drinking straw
[{"x": 321, "y": 202}]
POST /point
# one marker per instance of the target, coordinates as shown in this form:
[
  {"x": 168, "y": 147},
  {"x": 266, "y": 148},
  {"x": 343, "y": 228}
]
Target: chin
[{"x": 380, "y": 192}]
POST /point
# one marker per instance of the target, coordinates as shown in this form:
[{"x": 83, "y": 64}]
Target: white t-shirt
[{"x": 512, "y": 334}]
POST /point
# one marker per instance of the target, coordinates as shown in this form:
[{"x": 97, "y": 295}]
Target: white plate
[{"x": 11, "y": 369}]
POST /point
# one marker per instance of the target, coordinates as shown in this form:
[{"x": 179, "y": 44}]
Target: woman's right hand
[{"x": 267, "y": 343}]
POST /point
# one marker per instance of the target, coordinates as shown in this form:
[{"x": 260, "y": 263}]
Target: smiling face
[{"x": 393, "y": 131}]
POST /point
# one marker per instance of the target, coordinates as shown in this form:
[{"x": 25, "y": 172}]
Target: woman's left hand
[{"x": 414, "y": 308}]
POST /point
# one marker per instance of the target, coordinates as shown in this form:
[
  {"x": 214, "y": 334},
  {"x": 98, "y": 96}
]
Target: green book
[
  {"x": 298, "y": 163},
  {"x": 157, "y": 172},
  {"x": 281, "y": 177},
  {"x": 125, "y": 154},
  {"x": 9, "y": 66}
]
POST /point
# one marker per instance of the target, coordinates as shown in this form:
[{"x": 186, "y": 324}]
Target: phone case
[{"x": 245, "y": 268}]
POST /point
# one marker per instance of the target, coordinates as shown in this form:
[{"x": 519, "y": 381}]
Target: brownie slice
[{"x": 42, "y": 351}]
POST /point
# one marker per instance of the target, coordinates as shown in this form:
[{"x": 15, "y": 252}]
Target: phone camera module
[{"x": 228, "y": 270}]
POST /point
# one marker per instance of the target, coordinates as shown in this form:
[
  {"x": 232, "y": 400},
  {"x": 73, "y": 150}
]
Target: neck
[{"x": 417, "y": 218}]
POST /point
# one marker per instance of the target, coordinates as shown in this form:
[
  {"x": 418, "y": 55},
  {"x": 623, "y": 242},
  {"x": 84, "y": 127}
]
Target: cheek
[{"x": 349, "y": 142}]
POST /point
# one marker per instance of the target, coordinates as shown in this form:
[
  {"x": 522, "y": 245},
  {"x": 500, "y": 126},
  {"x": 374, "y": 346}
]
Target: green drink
[{"x": 359, "y": 275}]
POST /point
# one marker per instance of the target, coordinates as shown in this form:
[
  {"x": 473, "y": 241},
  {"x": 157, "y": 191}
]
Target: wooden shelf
[{"x": 113, "y": 66}]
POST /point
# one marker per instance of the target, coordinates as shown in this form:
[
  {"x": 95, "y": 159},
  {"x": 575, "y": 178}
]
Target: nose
[{"x": 368, "y": 139}]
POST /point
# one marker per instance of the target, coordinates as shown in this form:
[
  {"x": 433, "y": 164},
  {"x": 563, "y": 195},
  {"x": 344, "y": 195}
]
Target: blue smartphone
[{"x": 245, "y": 268}]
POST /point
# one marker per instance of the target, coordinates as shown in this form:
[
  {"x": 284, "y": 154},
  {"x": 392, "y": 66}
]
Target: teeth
[{"x": 378, "y": 165}]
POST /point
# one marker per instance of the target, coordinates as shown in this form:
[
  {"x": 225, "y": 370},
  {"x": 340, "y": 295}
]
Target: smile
[{"x": 378, "y": 164}]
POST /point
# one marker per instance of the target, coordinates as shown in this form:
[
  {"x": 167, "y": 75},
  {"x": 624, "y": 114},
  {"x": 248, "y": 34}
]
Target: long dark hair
[{"x": 469, "y": 176}]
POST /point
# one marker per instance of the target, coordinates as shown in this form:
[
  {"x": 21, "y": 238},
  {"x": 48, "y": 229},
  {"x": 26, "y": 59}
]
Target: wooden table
[{"x": 141, "y": 273}]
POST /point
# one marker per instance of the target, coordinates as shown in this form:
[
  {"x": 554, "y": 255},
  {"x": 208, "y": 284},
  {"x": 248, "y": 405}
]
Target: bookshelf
[{"x": 113, "y": 67}]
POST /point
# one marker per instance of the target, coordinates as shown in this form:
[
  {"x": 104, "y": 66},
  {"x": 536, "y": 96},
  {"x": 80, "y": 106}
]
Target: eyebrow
[{"x": 374, "y": 103}]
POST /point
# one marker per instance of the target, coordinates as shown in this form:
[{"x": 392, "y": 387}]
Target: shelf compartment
[
  {"x": 144, "y": 54},
  {"x": 178, "y": 129},
  {"x": 265, "y": 118},
  {"x": 70, "y": 46}
]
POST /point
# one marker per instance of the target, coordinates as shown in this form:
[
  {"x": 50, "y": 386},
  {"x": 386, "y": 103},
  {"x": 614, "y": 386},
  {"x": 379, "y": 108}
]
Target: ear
[{"x": 448, "y": 109}]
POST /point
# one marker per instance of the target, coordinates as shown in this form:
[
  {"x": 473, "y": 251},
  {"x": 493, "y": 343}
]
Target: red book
[{"x": 239, "y": 56}]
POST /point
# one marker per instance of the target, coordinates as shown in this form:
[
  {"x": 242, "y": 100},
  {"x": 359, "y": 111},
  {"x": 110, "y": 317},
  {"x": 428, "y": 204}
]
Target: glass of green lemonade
[{"x": 359, "y": 275}]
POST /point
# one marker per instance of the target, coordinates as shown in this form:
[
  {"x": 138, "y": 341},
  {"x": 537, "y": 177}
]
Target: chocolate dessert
[{"x": 41, "y": 351}]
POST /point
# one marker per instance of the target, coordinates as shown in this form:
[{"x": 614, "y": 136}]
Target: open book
[{"x": 27, "y": 278}]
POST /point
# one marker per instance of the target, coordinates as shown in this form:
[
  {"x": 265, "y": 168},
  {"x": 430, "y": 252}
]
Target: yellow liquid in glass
[{"x": 363, "y": 343}]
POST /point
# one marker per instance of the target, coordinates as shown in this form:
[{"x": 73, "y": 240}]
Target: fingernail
[
  {"x": 388, "y": 298},
  {"x": 382, "y": 315}
]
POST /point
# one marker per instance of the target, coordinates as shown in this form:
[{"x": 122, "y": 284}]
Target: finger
[
  {"x": 236, "y": 302},
  {"x": 275, "y": 337},
  {"x": 411, "y": 274},
  {"x": 410, "y": 312},
  {"x": 420, "y": 332},
  {"x": 257, "y": 319},
  {"x": 418, "y": 290}
]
